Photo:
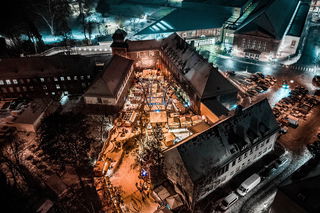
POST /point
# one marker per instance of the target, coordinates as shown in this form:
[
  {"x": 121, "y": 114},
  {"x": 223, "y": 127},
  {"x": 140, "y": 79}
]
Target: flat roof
[{"x": 299, "y": 20}]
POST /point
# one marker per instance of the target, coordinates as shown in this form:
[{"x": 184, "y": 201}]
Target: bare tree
[{"x": 54, "y": 13}]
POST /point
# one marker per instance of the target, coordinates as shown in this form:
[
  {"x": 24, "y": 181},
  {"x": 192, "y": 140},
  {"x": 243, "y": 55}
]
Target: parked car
[
  {"x": 229, "y": 201},
  {"x": 249, "y": 184}
]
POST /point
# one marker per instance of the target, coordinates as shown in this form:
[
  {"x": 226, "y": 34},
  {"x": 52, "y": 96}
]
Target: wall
[
  {"x": 288, "y": 46},
  {"x": 176, "y": 172},
  {"x": 210, "y": 115}
]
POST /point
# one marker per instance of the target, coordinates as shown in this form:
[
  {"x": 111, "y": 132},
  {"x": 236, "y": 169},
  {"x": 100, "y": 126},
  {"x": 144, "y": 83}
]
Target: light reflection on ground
[{"x": 278, "y": 95}]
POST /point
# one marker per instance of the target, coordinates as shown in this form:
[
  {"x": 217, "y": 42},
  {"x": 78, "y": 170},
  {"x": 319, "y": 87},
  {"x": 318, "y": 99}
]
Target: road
[{"x": 257, "y": 200}]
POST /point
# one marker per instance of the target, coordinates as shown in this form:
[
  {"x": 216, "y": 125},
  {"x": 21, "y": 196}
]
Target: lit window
[
  {"x": 88, "y": 76},
  {"x": 82, "y": 77},
  {"x": 55, "y": 79},
  {"x": 1, "y": 82},
  {"x": 42, "y": 79},
  {"x": 57, "y": 86},
  {"x": 15, "y": 81},
  {"x": 75, "y": 77},
  {"x": 68, "y": 77},
  {"x": 53, "y": 93},
  {"x": 8, "y": 82},
  {"x": 62, "y": 78}
]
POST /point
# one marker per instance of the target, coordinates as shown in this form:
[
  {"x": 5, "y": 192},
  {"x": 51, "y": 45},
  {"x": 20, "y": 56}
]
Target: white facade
[
  {"x": 238, "y": 164},
  {"x": 288, "y": 46}
]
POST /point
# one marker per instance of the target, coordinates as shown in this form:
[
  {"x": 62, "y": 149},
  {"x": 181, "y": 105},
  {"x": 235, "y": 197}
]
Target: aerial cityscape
[{"x": 160, "y": 106}]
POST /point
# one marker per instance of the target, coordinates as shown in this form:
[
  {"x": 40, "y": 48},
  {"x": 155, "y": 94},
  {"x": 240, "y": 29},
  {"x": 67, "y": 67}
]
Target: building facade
[
  {"x": 46, "y": 76},
  {"x": 110, "y": 88}
]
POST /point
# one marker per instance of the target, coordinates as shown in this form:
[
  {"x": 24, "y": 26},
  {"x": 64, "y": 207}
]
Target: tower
[{"x": 119, "y": 45}]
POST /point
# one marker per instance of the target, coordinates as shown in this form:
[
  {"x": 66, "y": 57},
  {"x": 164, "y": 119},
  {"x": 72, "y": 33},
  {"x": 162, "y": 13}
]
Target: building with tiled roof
[
  {"x": 271, "y": 30},
  {"x": 203, "y": 82},
  {"x": 207, "y": 160},
  {"x": 47, "y": 76},
  {"x": 110, "y": 87}
]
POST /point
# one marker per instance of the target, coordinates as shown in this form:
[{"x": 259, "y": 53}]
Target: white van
[
  {"x": 229, "y": 201},
  {"x": 247, "y": 185}
]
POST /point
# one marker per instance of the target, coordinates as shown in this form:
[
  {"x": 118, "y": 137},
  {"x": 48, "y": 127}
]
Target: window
[
  {"x": 31, "y": 88},
  {"x": 18, "y": 89},
  {"x": 233, "y": 163},
  {"x": 1, "y": 82},
  {"x": 251, "y": 151},
  {"x": 21, "y": 81},
  {"x": 265, "y": 150},
  {"x": 293, "y": 44},
  {"x": 8, "y": 82},
  {"x": 75, "y": 77},
  {"x": 68, "y": 77},
  {"x": 28, "y": 80},
  {"x": 24, "y": 88},
  {"x": 53, "y": 93},
  {"x": 245, "y": 154},
  {"x": 11, "y": 89},
  {"x": 45, "y": 87},
  {"x": 257, "y": 148},
  {"x": 82, "y": 77},
  {"x": 88, "y": 76},
  {"x": 83, "y": 85},
  {"x": 4, "y": 90},
  {"x": 239, "y": 159},
  {"x": 57, "y": 86},
  {"x": 14, "y": 81},
  {"x": 62, "y": 78},
  {"x": 42, "y": 79},
  {"x": 261, "y": 145},
  {"x": 55, "y": 79},
  {"x": 267, "y": 141}
]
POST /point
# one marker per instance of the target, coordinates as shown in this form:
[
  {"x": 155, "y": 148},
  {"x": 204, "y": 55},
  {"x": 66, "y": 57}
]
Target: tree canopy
[{"x": 65, "y": 137}]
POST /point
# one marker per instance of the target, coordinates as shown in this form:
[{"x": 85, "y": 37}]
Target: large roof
[
  {"x": 206, "y": 80},
  {"x": 200, "y": 16},
  {"x": 27, "y": 67},
  {"x": 109, "y": 82},
  {"x": 271, "y": 17},
  {"x": 233, "y": 3},
  {"x": 139, "y": 45},
  {"x": 211, "y": 149}
]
